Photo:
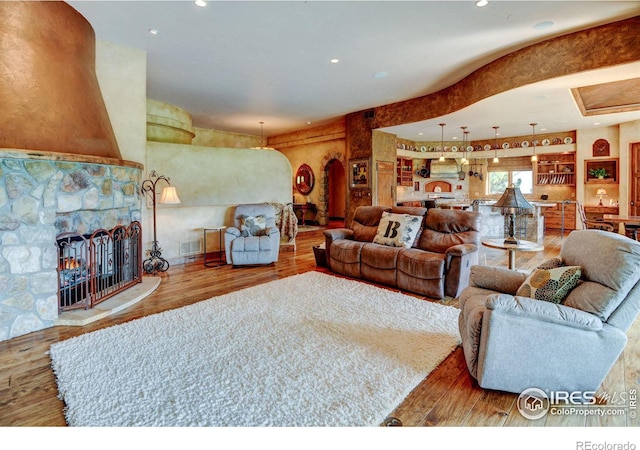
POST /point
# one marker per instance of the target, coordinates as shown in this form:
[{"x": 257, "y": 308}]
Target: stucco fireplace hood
[{"x": 50, "y": 96}]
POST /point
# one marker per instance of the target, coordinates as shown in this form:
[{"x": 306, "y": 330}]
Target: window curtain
[{"x": 510, "y": 164}]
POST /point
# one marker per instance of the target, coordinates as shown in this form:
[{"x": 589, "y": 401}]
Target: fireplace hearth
[{"x": 95, "y": 267}]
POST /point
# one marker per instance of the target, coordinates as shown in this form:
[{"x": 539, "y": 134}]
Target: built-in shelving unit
[
  {"x": 404, "y": 172},
  {"x": 609, "y": 166},
  {"x": 556, "y": 169}
]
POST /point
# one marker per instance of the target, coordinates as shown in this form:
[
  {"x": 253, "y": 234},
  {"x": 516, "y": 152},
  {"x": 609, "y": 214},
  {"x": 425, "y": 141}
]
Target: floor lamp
[
  {"x": 512, "y": 202},
  {"x": 156, "y": 263}
]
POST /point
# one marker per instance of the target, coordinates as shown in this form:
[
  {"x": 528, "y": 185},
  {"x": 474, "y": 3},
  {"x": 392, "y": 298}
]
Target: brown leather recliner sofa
[{"x": 437, "y": 265}]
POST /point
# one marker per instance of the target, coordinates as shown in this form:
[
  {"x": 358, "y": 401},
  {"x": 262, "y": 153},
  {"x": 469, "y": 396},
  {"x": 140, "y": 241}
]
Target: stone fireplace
[{"x": 43, "y": 195}]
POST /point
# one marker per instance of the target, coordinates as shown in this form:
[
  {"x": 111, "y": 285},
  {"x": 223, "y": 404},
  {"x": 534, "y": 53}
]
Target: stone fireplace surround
[{"x": 43, "y": 194}]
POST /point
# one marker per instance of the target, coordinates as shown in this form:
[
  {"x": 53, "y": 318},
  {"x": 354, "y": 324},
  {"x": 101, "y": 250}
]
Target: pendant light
[
  {"x": 262, "y": 146},
  {"x": 467, "y": 142},
  {"x": 534, "y": 157},
  {"x": 464, "y": 146},
  {"x": 442, "y": 141},
  {"x": 495, "y": 146}
]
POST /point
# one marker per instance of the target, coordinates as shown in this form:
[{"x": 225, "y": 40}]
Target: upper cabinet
[
  {"x": 556, "y": 169},
  {"x": 601, "y": 171},
  {"x": 404, "y": 172}
]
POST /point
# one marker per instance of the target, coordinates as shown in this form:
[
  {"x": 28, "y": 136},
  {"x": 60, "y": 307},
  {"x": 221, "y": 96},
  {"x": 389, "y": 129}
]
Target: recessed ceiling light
[
  {"x": 481, "y": 3},
  {"x": 334, "y": 60},
  {"x": 380, "y": 75},
  {"x": 421, "y": 134},
  {"x": 543, "y": 25},
  {"x": 153, "y": 31},
  {"x": 201, "y": 3},
  {"x": 596, "y": 123}
]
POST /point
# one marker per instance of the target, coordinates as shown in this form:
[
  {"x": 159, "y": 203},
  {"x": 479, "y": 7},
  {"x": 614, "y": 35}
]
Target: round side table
[{"x": 521, "y": 246}]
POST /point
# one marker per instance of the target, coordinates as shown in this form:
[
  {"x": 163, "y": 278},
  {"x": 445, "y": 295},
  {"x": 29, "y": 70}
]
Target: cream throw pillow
[
  {"x": 253, "y": 225},
  {"x": 551, "y": 285},
  {"x": 398, "y": 230}
]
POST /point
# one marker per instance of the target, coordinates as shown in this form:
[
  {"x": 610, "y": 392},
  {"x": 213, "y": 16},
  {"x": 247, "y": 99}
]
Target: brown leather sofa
[{"x": 437, "y": 265}]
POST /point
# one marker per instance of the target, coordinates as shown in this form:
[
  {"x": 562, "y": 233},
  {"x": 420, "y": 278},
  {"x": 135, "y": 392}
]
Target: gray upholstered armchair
[
  {"x": 514, "y": 342},
  {"x": 253, "y": 238}
]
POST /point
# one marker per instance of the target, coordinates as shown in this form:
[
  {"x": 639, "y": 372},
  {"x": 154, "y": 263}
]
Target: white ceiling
[{"x": 233, "y": 64}]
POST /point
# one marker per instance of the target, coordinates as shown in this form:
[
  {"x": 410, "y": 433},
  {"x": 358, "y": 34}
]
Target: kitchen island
[{"x": 528, "y": 226}]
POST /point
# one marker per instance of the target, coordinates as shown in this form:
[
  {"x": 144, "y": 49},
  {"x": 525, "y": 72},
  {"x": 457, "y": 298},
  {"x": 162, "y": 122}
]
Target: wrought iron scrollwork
[{"x": 155, "y": 262}]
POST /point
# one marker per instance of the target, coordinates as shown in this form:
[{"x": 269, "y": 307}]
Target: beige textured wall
[
  {"x": 224, "y": 139},
  {"x": 314, "y": 158},
  {"x": 122, "y": 75},
  {"x": 210, "y": 181}
]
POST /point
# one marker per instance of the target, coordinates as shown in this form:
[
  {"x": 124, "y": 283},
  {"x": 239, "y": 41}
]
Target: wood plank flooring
[{"x": 449, "y": 396}]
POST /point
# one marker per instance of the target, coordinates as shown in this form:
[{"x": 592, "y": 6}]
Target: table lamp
[
  {"x": 601, "y": 192},
  {"x": 512, "y": 203}
]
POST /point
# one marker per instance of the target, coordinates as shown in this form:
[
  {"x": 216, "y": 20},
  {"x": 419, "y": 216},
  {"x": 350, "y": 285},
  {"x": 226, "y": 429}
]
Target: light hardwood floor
[{"x": 447, "y": 397}]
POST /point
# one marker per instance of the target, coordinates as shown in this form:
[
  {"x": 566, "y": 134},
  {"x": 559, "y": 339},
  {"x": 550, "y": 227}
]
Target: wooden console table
[
  {"x": 304, "y": 207},
  {"x": 597, "y": 212}
]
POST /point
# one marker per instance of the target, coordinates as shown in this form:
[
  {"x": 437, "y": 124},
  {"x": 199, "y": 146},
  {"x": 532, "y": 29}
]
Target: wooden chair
[
  {"x": 597, "y": 224},
  {"x": 632, "y": 231}
]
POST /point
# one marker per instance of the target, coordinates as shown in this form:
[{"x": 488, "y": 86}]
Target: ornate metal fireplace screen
[{"x": 92, "y": 268}]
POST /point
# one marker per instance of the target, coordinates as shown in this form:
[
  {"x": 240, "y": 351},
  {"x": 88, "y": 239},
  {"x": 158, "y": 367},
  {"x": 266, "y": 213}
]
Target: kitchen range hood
[{"x": 444, "y": 169}]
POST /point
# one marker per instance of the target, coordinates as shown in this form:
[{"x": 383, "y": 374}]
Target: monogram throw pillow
[{"x": 398, "y": 230}]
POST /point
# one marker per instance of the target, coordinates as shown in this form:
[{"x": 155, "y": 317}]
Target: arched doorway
[
  {"x": 332, "y": 198},
  {"x": 336, "y": 190}
]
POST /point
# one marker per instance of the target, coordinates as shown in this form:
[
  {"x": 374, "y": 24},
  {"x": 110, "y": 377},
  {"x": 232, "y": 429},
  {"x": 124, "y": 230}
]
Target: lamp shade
[
  {"x": 601, "y": 191},
  {"x": 512, "y": 198},
  {"x": 169, "y": 195}
]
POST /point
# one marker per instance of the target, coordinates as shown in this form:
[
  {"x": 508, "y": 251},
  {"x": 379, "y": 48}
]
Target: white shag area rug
[{"x": 308, "y": 350}]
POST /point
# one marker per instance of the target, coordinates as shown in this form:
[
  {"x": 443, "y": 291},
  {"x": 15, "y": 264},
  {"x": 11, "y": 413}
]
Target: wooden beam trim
[
  {"x": 311, "y": 140},
  {"x": 595, "y": 48}
]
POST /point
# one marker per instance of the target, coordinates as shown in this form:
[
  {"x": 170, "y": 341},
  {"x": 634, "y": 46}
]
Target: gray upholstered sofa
[
  {"x": 437, "y": 264},
  {"x": 253, "y": 238},
  {"x": 513, "y": 342}
]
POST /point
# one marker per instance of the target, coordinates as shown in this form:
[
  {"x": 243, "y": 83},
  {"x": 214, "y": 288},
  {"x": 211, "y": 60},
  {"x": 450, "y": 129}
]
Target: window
[
  {"x": 516, "y": 171},
  {"x": 497, "y": 182}
]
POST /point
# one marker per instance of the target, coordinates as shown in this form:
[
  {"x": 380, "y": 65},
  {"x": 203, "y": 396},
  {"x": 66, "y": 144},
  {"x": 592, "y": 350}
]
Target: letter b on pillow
[
  {"x": 392, "y": 230},
  {"x": 398, "y": 230}
]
